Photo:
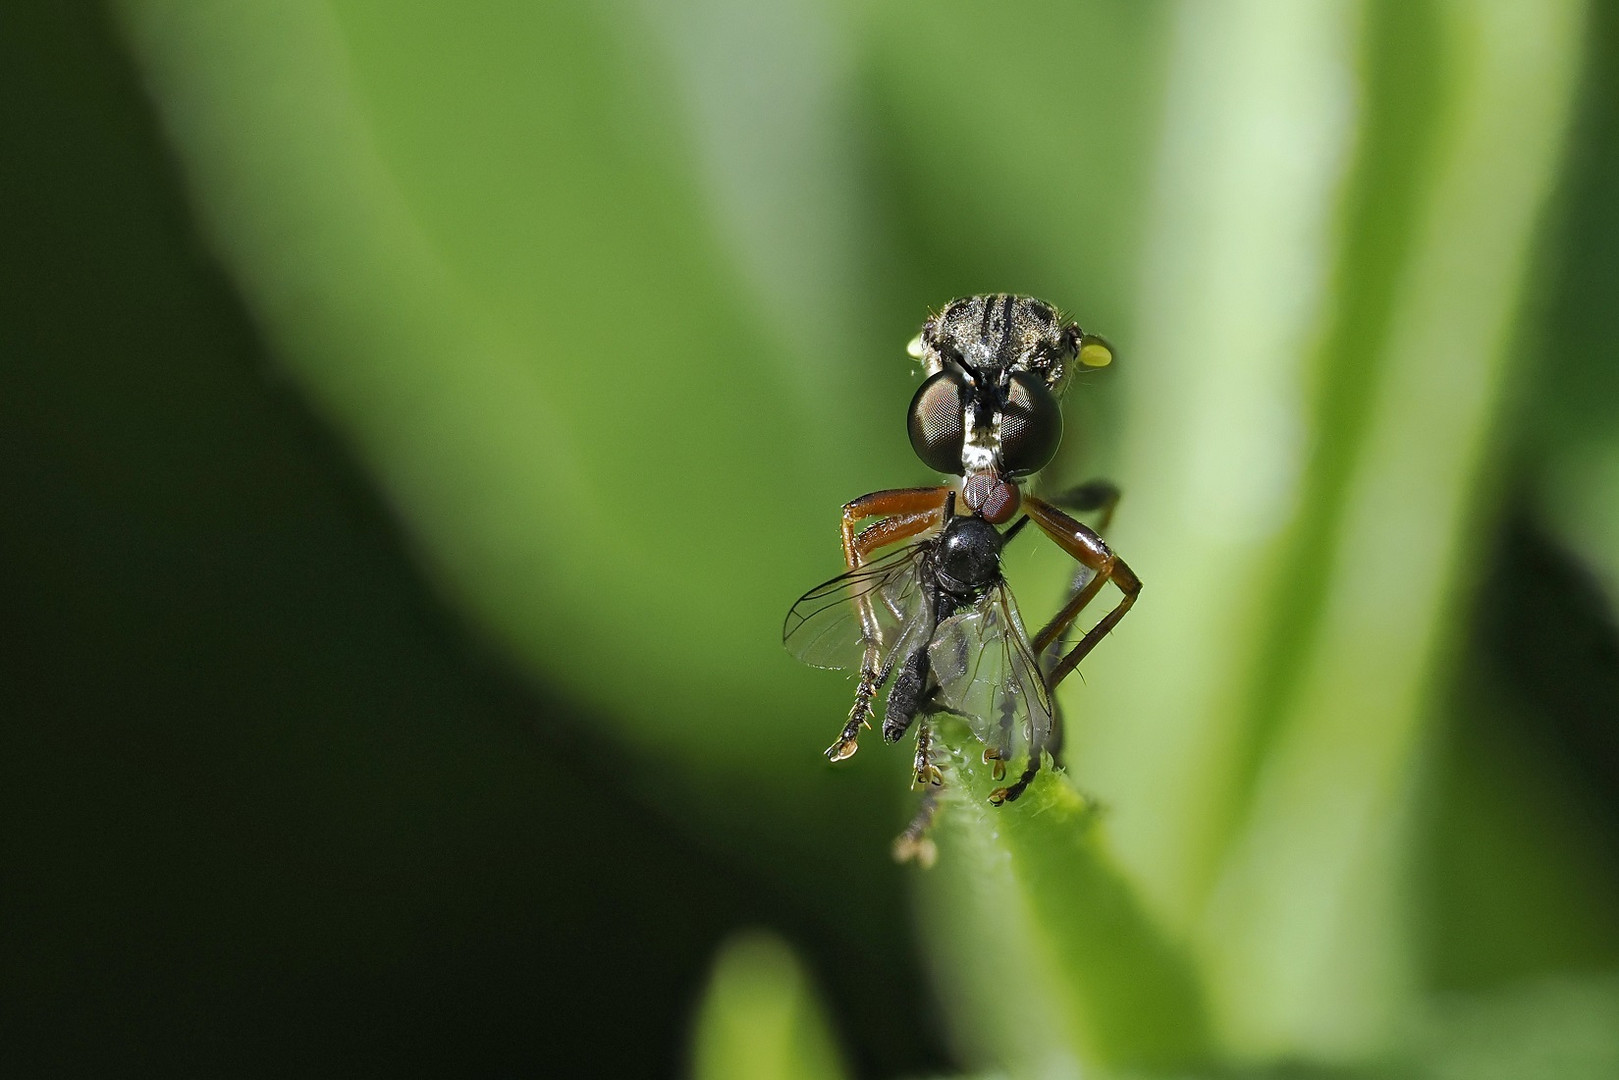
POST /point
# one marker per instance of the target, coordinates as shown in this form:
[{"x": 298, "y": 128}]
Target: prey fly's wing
[
  {"x": 987, "y": 673},
  {"x": 825, "y": 628}
]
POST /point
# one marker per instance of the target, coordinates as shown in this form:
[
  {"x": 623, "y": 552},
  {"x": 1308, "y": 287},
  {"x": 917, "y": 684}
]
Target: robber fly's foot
[
  {"x": 992, "y": 758},
  {"x": 843, "y": 749},
  {"x": 859, "y": 719},
  {"x": 929, "y": 776}
]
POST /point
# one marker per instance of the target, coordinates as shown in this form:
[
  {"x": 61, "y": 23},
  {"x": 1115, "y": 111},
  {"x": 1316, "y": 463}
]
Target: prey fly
[{"x": 950, "y": 637}]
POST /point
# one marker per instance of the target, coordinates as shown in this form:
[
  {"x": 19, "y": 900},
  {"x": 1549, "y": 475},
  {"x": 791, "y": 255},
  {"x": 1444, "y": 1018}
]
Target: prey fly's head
[{"x": 995, "y": 367}]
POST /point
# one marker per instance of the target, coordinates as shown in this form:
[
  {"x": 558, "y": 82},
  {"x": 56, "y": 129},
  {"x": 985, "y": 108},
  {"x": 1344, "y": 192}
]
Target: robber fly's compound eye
[
  {"x": 937, "y": 432},
  {"x": 1031, "y": 425}
]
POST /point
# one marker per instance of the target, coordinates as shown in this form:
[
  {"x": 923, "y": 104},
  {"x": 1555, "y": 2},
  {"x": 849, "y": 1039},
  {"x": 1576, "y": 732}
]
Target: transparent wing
[
  {"x": 823, "y": 629},
  {"x": 987, "y": 673}
]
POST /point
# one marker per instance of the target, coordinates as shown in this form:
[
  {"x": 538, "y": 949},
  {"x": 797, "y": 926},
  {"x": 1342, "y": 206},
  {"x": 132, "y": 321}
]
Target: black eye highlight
[
  {"x": 937, "y": 434},
  {"x": 1031, "y": 425}
]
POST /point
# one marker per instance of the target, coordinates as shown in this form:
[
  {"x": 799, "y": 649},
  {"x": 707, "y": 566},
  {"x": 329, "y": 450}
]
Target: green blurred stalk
[
  {"x": 1308, "y": 925},
  {"x": 1388, "y": 235},
  {"x": 760, "y": 1020},
  {"x": 1260, "y": 114}
]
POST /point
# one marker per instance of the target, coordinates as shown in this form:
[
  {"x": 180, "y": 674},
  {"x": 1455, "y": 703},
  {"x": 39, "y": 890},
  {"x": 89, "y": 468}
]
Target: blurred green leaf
[
  {"x": 483, "y": 247},
  {"x": 1573, "y": 413},
  {"x": 496, "y": 278},
  {"x": 1561, "y": 1029},
  {"x": 759, "y": 1019},
  {"x": 1520, "y": 854}
]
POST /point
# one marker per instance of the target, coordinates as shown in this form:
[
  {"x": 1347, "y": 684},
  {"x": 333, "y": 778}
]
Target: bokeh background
[{"x": 416, "y": 418}]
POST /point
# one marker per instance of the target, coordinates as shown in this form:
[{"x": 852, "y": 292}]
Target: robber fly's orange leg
[
  {"x": 1090, "y": 551},
  {"x": 1099, "y": 497},
  {"x": 907, "y": 511},
  {"x": 1093, "y": 554}
]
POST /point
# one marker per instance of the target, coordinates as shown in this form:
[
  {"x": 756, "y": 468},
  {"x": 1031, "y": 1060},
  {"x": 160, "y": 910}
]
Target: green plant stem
[{"x": 1064, "y": 962}]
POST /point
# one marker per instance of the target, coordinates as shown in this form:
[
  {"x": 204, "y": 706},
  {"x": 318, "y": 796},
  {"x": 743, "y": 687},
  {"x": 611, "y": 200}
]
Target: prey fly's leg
[
  {"x": 995, "y": 755},
  {"x": 1090, "y": 551},
  {"x": 908, "y": 511},
  {"x": 1010, "y": 792},
  {"x": 927, "y": 773},
  {"x": 914, "y": 842}
]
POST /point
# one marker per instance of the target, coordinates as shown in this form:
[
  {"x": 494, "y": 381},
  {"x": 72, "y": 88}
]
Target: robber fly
[{"x": 936, "y": 615}]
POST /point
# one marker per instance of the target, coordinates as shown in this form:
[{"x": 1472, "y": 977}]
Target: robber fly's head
[{"x": 988, "y": 411}]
